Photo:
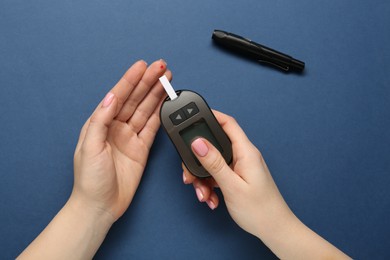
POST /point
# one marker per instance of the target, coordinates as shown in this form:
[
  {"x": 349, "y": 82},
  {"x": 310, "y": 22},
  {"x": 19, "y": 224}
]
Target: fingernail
[
  {"x": 199, "y": 194},
  {"x": 144, "y": 62},
  {"x": 108, "y": 99},
  {"x": 211, "y": 204},
  {"x": 200, "y": 147},
  {"x": 164, "y": 62},
  {"x": 184, "y": 179}
]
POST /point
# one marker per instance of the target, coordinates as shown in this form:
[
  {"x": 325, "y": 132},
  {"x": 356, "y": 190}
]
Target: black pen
[{"x": 257, "y": 51}]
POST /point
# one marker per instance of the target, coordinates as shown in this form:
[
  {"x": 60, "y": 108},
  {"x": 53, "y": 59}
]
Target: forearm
[
  {"x": 76, "y": 232},
  {"x": 289, "y": 238}
]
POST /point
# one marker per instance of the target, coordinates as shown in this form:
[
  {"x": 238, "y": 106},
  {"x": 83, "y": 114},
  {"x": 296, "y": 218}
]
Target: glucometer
[{"x": 185, "y": 117}]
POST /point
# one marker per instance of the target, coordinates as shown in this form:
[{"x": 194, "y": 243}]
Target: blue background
[{"x": 324, "y": 134}]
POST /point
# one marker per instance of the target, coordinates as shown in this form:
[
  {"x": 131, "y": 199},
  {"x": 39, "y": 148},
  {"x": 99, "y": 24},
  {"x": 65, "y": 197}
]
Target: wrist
[
  {"x": 276, "y": 223},
  {"x": 76, "y": 232},
  {"x": 289, "y": 238},
  {"x": 92, "y": 216}
]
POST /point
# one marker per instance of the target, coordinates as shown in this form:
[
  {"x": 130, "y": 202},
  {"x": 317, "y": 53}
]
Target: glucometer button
[
  {"x": 191, "y": 109},
  {"x": 177, "y": 117}
]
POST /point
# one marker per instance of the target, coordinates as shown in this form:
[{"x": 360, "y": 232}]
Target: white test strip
[{"x": 168, "y": 87}]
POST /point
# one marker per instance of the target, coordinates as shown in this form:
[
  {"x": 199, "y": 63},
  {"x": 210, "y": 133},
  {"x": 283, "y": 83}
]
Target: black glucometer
[{"x": 185, "y": 117}]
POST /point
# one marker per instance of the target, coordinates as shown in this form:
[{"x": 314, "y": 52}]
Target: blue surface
[{"x": 324, "y": 134}]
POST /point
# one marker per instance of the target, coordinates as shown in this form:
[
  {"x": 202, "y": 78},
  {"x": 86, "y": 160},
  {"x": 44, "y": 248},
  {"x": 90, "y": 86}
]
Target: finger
[
  {"x": 148, "y": 133},
  {"x": 96, "y": 134},
  {"x": 188, "y": 178},
  {"x": 128, "y": 82},
  {"x": 202, "y": 190},
  {"x": 205, "y": 192},
  {"x": 212, "y": 160},
  {"x": 243, "y": 149},
  {"x": 213, "y": 200},
  {"x": 148, "y": 80},
  {"x": 231, "y": 128},
  {"x": 148, "y": 105}
]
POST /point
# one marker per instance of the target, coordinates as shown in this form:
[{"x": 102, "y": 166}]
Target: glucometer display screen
[{"x": 199, "y": 129}]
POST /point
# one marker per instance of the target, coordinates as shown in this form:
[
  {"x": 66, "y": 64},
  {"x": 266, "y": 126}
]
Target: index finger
[{"x": 231, "y": 127}]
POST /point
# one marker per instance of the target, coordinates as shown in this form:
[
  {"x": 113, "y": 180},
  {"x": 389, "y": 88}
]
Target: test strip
[{"x": 168, "y": 87}]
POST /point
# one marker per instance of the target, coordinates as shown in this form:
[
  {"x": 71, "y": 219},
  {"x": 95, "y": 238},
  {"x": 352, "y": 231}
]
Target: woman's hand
[
  {"x": 250, "y": 193},
  {"x": 109, "y": 160},
  {"x": 114, "y": 143},
  {"x": 252, "y": 197}
]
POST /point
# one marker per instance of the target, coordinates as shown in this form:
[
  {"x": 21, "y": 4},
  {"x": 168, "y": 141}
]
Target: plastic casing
[{"x": 205, "y": 114}]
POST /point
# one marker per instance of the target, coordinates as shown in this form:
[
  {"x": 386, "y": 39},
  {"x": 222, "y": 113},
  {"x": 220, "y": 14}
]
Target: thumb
[
  {"x": 213, "y": 162},
  {"x": 99, "y": 123}
]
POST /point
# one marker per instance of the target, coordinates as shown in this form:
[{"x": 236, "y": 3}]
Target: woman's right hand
[
  {"x": 249, "y": 191},
  {"x": 252, "y": 197}
]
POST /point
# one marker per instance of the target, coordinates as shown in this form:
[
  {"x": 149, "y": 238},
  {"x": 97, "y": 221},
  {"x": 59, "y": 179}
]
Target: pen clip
[{"x": 273, "y": 63}]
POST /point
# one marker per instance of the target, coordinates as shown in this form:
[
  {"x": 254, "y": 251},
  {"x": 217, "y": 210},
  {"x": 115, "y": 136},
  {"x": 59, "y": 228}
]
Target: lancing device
[
  {"x": 257, "y": 51},
  {"x": 185, "y": 117}
]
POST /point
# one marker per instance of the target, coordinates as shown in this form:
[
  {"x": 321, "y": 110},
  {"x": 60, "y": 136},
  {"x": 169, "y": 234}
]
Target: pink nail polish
[
  {"x": 199, "y": 194},
  {"x": 211, "y": 204},
  {"x": 184, "y": 179},
  {"x": 108, "y": 99},
  {"x": 200, "y": 147}
]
